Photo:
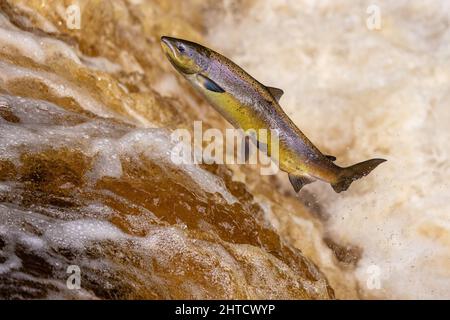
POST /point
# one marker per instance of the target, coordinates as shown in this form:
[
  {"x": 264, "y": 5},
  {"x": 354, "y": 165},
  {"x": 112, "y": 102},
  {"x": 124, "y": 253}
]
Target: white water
[{"x": 359, "y": 94}]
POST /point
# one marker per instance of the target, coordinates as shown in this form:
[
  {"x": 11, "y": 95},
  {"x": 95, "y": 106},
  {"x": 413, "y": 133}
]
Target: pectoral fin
[
  {"x": 247, "y": 148},
  {"x": 261, "y": 146},
  {"x": 331, "y": 158},
  {"x": 208, "y": 84},
  {"x": 276, "y": 93},
  {"x": 299, "y": 182}
]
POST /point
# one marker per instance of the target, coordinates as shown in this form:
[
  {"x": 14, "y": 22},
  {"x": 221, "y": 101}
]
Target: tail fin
[{"x": 352, "y": 173}]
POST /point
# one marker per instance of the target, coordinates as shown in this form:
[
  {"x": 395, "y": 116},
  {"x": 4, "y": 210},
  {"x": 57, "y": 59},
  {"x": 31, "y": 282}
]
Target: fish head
[{"x": 186, "y": 56}]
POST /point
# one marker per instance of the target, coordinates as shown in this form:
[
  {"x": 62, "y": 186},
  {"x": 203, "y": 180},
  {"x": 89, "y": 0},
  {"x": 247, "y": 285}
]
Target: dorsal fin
[
  {"x": 276, "y": 93},
  {"x": 208, "y": 84}
]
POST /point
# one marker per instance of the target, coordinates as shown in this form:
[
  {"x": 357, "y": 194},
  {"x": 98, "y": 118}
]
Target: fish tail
[{"x": 355, "y": 172}]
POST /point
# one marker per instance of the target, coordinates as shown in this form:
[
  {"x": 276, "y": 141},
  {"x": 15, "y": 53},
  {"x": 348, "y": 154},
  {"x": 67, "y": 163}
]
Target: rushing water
[
  {"x": 86, "y": 178},
  {"x": 360, "y": 93}
]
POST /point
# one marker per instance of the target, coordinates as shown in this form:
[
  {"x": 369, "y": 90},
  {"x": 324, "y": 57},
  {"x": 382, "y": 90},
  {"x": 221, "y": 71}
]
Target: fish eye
[{"x": 181, "y": 48}]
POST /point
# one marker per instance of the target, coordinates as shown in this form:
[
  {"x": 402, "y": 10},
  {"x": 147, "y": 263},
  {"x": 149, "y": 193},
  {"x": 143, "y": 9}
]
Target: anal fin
[{"x": 299, "y": 182}]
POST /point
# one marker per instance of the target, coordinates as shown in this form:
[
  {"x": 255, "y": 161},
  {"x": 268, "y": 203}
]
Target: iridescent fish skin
[{"x": 250, "y": 105}]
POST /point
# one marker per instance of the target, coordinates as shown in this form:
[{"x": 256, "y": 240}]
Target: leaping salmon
[{"x": 248, "y": 104}]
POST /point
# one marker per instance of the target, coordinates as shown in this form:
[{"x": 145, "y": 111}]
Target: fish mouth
[{"x": 168, "y": 46}]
